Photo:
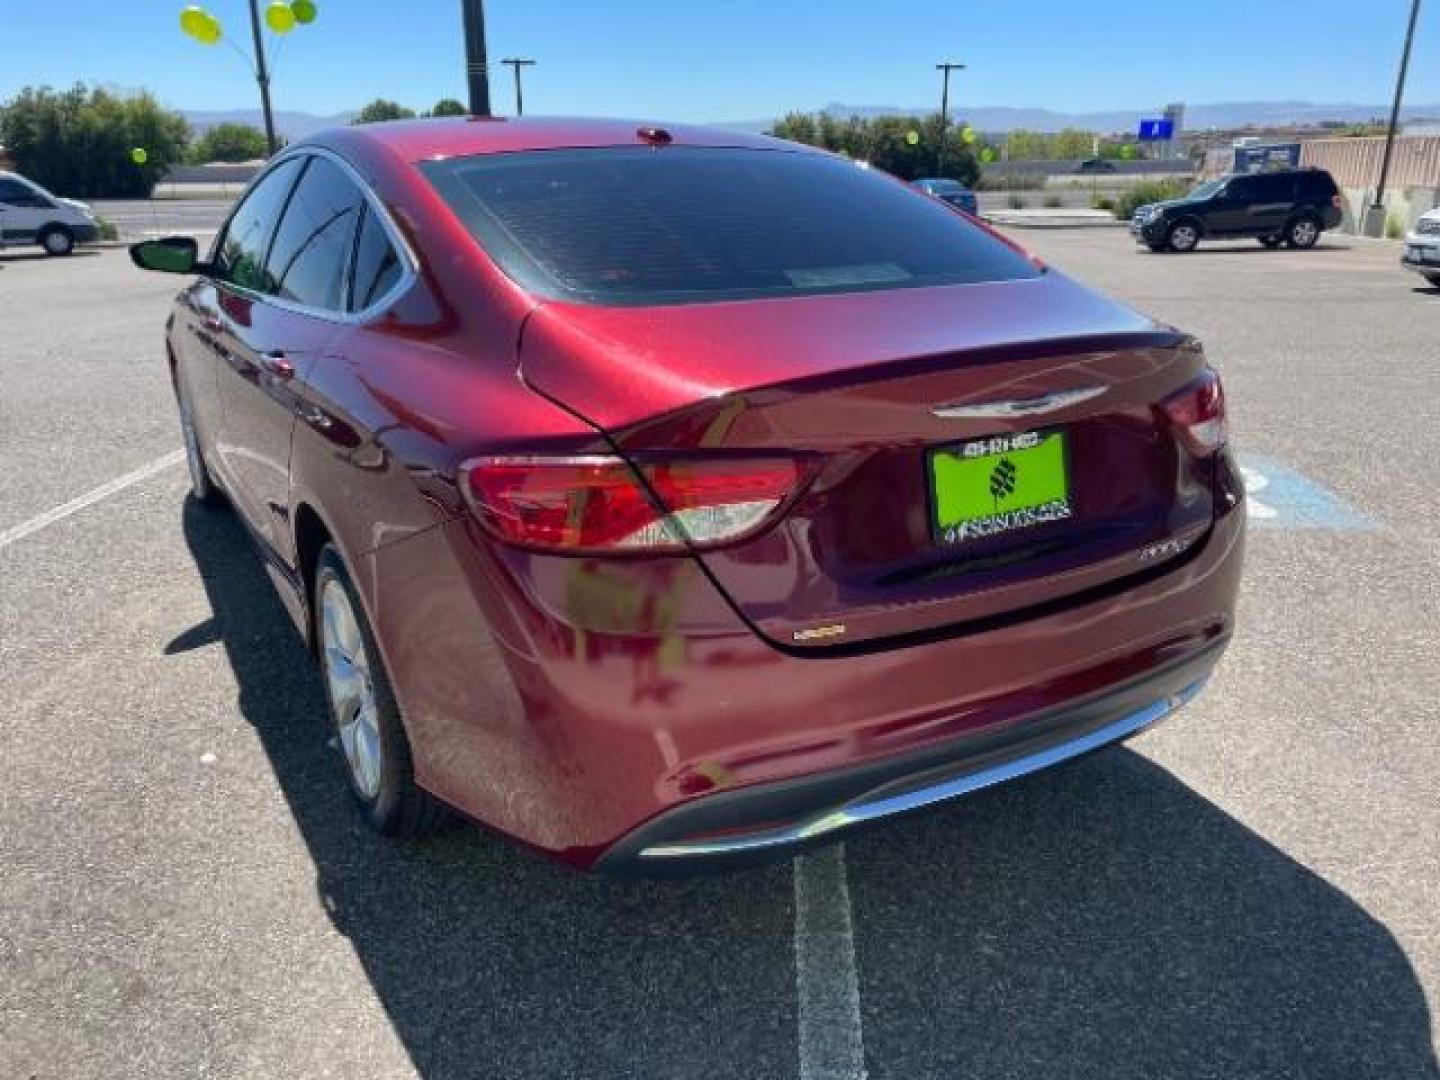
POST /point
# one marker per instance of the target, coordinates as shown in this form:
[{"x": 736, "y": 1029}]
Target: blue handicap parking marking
[{"x": 1281, "y": 498}]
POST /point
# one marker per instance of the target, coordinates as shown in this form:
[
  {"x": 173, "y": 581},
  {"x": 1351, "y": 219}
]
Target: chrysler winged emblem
[{"x": 1012, "y": 407}]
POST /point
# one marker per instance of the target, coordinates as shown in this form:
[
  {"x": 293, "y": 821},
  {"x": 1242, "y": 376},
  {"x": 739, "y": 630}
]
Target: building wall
[{"x": 1355, "y": 163}]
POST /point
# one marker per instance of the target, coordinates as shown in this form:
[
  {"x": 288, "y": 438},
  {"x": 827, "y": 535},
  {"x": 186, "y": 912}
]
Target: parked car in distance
[
  {"x": 1422, "y": 247},
  {"x": 1096, "y": 165},
  {"x": 1286, "y": 206},
  {"x": 31, "y": 215},
  {"x": 950, "y": 191},
  {"x": 656, "y": 548}
]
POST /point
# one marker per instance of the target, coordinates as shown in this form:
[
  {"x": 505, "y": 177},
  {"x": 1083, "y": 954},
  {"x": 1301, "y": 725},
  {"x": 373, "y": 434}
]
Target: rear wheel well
[{"x": 311, "y": 536}]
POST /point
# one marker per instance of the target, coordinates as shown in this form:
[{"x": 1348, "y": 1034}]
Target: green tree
[
  {"x": 229, "y": 142},
  {"x": 448, "y": 107},
  {"x": 383, "y": 109},
  {"x": 885, "y": 143},
  {"x": 78, "y": 142},
  {"x": 1022, "y": 145},
  {"x": 1072, "y": 144}
]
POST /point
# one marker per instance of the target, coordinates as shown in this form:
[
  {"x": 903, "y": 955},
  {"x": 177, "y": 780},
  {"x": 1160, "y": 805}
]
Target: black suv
[{"x": 1289, "y": 206}]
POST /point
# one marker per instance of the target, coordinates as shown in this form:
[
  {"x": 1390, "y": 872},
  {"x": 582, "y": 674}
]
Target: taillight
[
  {"x": 1198, "y": 411},
  {"x": 597, "y": 503},
  {"x": 1337, "y": 201}
]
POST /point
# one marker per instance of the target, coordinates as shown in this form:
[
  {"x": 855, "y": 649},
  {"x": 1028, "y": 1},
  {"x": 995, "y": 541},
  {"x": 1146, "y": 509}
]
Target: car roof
[{"x": 431, "y": 139}]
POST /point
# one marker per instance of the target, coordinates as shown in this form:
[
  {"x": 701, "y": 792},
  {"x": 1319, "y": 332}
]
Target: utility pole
[
  {"x": 1378, "y": 208},
  {"x": 946, "y": 68},
  {"x": 262, "y": 76},
  {"x": 515, "y": 65},
  {"x": 477, "y": 71}
]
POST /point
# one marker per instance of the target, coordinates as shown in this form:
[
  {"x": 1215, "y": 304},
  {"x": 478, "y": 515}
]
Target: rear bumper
[{"x": 741, "y": 826}]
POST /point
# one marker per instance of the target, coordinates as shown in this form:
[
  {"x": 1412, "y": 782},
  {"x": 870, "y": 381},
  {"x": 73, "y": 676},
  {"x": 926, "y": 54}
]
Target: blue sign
[{"x": 1157, "y": 130}]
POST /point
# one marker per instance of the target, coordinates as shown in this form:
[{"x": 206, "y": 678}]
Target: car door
[
  {"x": 272, "y": 330},
  {"x": 1268, "y": 208},
  {"x": 205, "y": 346},
  {"x": 1225, "y": 213}
]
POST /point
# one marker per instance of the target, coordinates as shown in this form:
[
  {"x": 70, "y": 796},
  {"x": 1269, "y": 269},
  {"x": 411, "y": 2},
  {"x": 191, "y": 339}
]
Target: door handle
[
  {"x": 278, "y": 364},
  {"x": 213, "y": 324}
]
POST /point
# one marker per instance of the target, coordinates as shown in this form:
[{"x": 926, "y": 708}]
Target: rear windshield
[{"x": 643, "y": 225}]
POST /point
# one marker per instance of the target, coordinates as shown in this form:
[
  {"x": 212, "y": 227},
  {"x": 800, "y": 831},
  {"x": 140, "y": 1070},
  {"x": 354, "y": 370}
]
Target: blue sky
[{"x": 743, "y": 59}]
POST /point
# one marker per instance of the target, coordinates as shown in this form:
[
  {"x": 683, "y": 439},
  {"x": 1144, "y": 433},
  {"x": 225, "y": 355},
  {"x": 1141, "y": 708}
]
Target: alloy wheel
[{"x": 352, "y": 691}]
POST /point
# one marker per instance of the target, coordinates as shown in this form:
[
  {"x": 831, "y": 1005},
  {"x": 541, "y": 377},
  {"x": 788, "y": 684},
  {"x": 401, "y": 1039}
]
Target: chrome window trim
[{"x": 409, "y": 263}]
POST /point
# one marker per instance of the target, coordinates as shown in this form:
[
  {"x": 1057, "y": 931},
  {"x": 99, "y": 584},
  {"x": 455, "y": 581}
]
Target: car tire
[
  {"x": 364, "y": 719},
  {"x": 202, "y": 486},
  {"x": 1159, "y": 248},
  {"x": 1302, "y": 232},
  {"x": 1433, "y": 279},
  {"x": 1271, "y": 242},
  {"x": 1182, "y": 237},
  {"x": 57, "y": 240}
]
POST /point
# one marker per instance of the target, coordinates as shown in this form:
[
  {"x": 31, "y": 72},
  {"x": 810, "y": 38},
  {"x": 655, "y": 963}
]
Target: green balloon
[
  {"x": 139, "y": 156},
  {"x": 912, "y": 137},
  {"x": 279, "y": 17},
  {"x": 305, "y": 11},
  {"x": 987, "y": 155},
  {"x": 199, "y": 24},
  {"x": 968, "y": 134}
]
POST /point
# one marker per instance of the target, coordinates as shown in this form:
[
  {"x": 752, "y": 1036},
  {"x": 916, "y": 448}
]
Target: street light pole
[
  {"x": 477, "y": 72},
  {"x": 945, "y": 68},
  {"x": 262, "y": 76},
  {"x": 516, "y": 64},
  {"x": 1395, "y": 107}
]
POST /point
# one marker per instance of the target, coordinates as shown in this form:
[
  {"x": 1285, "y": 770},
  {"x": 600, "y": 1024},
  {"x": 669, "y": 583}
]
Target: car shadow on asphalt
[{"x": 1098, "y": 920}]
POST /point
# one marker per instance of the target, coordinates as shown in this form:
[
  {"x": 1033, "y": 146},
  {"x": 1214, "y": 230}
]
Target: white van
[{"x": 31, "y": 215}]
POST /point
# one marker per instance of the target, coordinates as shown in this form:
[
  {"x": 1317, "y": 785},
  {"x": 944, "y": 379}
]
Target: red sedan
[{"x": 660, "y": 497}]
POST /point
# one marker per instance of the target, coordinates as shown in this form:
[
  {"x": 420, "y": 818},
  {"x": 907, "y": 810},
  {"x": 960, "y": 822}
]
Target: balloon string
[
  {"x": 275, "y": 48},
  {"x": 249, "y": 60}
]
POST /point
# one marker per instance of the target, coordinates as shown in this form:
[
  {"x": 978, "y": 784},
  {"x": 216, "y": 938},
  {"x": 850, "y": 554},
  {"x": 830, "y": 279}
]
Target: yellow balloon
[
  {"x": 913, "y": 138},
  {"x": 199, "y": 24},
  {"x": 279, "y": 17},
  {"x": 139, "y": 156},
  {"x": 305, "y": 11},
  {"x": 967, "y": 133}
]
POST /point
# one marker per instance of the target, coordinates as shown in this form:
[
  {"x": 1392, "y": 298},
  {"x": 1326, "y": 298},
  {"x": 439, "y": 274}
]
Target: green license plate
[{"x": 998, "y": 485}]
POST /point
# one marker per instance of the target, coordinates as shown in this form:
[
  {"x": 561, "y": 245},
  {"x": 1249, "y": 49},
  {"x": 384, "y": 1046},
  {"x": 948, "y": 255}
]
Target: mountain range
[{"x": 987, "y": 118}]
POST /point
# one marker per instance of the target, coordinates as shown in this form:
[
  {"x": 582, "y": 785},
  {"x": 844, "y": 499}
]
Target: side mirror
[{"x": 169, "y": 255}]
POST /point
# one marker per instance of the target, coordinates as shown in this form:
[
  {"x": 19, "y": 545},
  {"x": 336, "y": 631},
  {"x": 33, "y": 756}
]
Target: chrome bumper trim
[{"x": 861, "y": 811}]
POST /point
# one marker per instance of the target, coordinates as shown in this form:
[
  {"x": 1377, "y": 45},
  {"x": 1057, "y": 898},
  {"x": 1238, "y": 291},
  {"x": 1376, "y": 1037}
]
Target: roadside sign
[{"x": 1157, "y": 130}]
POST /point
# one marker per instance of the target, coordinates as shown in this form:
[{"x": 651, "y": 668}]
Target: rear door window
[
  {"x": 309, "y": 256},
  {"x": 240, "y": 255},
  {"x": 639, "y": 225},
  {"x": 377, "y": 264}
]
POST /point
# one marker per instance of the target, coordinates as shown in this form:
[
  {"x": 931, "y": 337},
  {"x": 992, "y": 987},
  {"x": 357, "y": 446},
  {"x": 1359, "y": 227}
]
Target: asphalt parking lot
[{"x": 1251, "y": 890}]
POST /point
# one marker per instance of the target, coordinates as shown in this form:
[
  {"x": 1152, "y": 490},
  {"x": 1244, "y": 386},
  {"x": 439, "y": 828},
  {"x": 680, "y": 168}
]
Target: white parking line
[
  {"x": 832, "y": 1044},
  {"x": 104, "y": 491}
]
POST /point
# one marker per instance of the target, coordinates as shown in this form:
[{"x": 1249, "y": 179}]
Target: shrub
[
  {"x": 1145, "y": 192},
  {"x": 1054, "y": 202},
  {"x": 230, "y": 142},
  {"x": 107, "y": 228},
  {"x": 1103, "y": 202},
  {"x": 78, "y": 142},
  {"x": 1016, "y": 201},
  {"x": 1394, "y": 227}
]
